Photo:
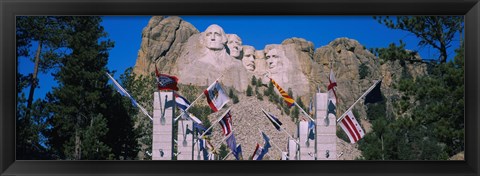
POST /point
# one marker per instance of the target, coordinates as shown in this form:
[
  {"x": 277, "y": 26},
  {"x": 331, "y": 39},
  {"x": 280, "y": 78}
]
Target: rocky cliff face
[{"x": 178, "y": 48}]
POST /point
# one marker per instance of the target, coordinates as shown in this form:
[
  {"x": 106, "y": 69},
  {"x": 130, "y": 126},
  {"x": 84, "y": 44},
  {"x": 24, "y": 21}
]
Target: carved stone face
[
  {"x": 234, "y": 45},
  {"x": 214, "y": 37},
  {"x": 273, "y": 57},
  {"x": 248, "y": 59}
]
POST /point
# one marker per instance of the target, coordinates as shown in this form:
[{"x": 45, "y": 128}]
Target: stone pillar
[
  {"x": 326, "y": 130},
  {"x": 292, "y": 150},
  {"x": 307, "y": 146},
  {"x": 162, "y": 142},
  {"x": 185, "y": 140}
]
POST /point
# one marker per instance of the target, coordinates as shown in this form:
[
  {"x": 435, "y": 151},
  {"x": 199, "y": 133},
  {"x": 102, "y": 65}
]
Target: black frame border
[{"x": 10, "y": 8}]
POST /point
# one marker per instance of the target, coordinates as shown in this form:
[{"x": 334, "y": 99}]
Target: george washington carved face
[{"x": 214, "y": 37}]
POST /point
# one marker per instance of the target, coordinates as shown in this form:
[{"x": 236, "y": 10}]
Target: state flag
[
  {"x": 289, "y": 100},
  {"x": 216, "y": 96},
  {"x": 166, "y": 82},
  {"x": 375, "y": 95},
  {"x": 226, "y": 123},
  {"x": 275, "y": 121}
]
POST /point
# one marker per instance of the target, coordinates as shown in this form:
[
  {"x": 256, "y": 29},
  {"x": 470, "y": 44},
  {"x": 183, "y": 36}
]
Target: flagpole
[
  {"x": 283, "y": 129},
  {"x": 213, "y": 124},
  {"x": 225, "y": 138},
  {"x": 191, "y": 104},
  {"x": 129, "y": 96},
  {"x": 305, "y": 113},
  {"x": 351, "y": 107}
]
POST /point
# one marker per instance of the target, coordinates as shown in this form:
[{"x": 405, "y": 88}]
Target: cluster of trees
[
  {"x": 83, "y": 117},
  {"x": 427, "y": 121}
]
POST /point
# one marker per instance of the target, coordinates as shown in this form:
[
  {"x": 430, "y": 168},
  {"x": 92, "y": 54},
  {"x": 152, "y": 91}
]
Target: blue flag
[
  {"x": 267, "y": 145},
  {"x": 311, "y": 130}
]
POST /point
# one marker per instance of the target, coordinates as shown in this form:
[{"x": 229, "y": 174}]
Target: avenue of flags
[{"x": 217, "y": 98}]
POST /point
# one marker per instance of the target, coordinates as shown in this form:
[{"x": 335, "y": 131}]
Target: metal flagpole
[
  {"x": 213, "y": 124},
  {"x": 305, "y": 113},
  {"x": 129, "y": 96},
  {"x": 191, "y": 104},
  {"x": 283, "y": 129},
  {"x": 351, "y": 107}
]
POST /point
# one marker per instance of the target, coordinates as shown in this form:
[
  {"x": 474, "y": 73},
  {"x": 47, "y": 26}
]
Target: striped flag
[
  {"x": 226, "y": 123},
  {"x": 351, "y": 126},
  {"x": 216, "y": 96},
  {"x": 273, "y": 119},
  {"x": 267, "y": 145},
  {"x": 289, "y": 100},
  {"x": 238, "y": 152},
  {"x": 181, "y": 102},
  {"x": 257, "y": 154}
]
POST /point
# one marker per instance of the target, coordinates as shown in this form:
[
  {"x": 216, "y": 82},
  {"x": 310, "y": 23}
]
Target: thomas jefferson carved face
[
  {"x": 248, "y": 58},
  {"x": 214, "y": 38},
  {"x": 234, "y": 45}
]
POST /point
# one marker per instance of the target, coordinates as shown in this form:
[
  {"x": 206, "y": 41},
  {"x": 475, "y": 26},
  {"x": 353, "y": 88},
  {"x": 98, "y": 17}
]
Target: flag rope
[{"x": 351, "y": 107}]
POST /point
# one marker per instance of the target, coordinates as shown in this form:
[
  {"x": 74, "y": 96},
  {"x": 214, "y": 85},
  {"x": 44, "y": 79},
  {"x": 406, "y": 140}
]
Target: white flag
[{"x": 216, "y": 96}]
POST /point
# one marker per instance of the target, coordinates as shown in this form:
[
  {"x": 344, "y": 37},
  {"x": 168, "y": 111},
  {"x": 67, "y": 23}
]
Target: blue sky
[{"x": 257, "y": 31}]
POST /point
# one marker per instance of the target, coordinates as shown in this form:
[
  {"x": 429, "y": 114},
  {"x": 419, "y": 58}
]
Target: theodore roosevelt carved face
[
  {"x": 234, "y": 44},
  {"x": 248, "y": 59},
  {"x": 214, "y": 37}
]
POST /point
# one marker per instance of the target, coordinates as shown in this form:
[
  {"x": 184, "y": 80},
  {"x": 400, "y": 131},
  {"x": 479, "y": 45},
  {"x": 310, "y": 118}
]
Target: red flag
[{"x": 166, "y": 82}]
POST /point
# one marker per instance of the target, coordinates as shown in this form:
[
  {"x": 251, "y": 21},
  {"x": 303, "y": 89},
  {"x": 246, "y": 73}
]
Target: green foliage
[
  {"x": 254, "y": 81},
  {"x": 259, "y": 96},
  {"x": 259, "y": 82},
  {"x": 249, "y": 91},
  {"x": 431, "y": 125},
  {"x": 394, "y": 52},
  {"x": 223, "y": 151},
  {"x": 436, "y": 31},
  {"x": 233, "y": 96},
  {"x": 363, "y": 71},
  {"x": 342, "y": 135},
  {"x": 88, "y": 119}
]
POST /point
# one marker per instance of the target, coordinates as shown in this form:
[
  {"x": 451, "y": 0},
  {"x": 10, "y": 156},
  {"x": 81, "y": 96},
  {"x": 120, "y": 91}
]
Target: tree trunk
[
  {"x": 443, "y": 52},
  {"x": 34, "y": 81}
]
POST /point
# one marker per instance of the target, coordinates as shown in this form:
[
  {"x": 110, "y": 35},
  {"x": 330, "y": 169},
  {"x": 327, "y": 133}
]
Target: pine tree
[{"x": 89, "y": 120}]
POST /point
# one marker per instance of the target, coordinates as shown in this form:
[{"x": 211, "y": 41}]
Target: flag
[
  {"x": 273, "y": 119},
  {"x": 123, "y": 92},
  {"x": 375, "y": 95},
  {"x": 257, "y": 154},
  {"x": 311, "y": 130},
  {"x": 332, "y": 84},
  {"x": 267, "y": 145},
  {"x": 216, "y": 97},
  {"x": 166, "y": 82},
  {"x": 226, "y": 123},
  {"x": 201, "y": 129},
  {"x": 206, "y": 148},
  {"x": 238, "y": 152},
  {"x": 232, "y": 144},
  {"x": 310, "y": 107},
  {"x": 331, "y": 108},
  {"x": 187, "y": 115},
  {"x": 181, "y": 102},
  {"x": 289, "y": 100},
  {"x": 351, "y": 126}
]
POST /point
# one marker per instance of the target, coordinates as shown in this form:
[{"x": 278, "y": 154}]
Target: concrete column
[
  {"x": 307, "y": 146},
  {"x": 184, "y": 140},
  {"x": 162, "y": 142},
  {"x": 326, "y": 130},
  {"x": 292, "y": 150}
]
